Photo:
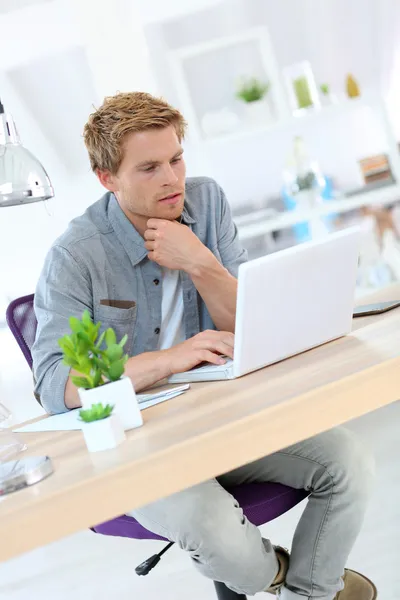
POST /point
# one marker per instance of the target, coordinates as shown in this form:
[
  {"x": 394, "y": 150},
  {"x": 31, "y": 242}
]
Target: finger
[
  {"x": 155, "y": 223},
  {"x": 210, "y": 357},
  {"x": 151, "y": 246},
  {"x": 222, "y": 336},
  {"x": 227, "y": 338},
  {"x": 150, "y": 234},
  {"x": 217, "y": 347},
  {"x": 223, "y": 349}
]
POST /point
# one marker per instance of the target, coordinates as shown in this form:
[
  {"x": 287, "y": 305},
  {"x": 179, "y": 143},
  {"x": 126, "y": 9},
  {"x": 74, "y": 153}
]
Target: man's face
[{"x": 150, "y": 182}]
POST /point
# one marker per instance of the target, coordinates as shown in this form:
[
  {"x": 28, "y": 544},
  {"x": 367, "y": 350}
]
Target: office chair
[{"x": 261, "y": 502}]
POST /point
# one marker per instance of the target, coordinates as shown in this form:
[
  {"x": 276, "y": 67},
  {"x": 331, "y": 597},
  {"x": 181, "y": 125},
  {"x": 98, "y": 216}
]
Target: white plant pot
[
  {"x": 328, "y": 99},
  {"x": 104, "y": 434},
  {"x": 220, "y": 122},
  {"x": 258, "y": 113},
  {"x": 121, "y": 395}
]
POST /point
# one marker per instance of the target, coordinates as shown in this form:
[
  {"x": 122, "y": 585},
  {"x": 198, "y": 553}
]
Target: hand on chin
[{"x": 172, "y": 245}]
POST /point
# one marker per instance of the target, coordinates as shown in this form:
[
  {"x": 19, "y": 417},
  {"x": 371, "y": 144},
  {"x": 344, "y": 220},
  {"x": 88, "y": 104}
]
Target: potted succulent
[
  {"x": 101, "y": 429},
  {"x": 100, "y": 363},
  {"x": 326, "y": 96},
  {"x": 253, "y": 93}
]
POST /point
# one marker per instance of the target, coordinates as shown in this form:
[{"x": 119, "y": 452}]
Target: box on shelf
[{"x": 376, "y": 168}]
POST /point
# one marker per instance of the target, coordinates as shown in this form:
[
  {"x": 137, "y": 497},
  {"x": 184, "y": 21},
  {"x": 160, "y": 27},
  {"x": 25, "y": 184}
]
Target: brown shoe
[
  {"x": 283, "y": 557},
  {"x": 357, "y": 587}
]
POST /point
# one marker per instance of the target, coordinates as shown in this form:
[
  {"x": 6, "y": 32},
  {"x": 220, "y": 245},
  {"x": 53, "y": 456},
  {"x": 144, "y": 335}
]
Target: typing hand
[{"x": 208, "y": 347}]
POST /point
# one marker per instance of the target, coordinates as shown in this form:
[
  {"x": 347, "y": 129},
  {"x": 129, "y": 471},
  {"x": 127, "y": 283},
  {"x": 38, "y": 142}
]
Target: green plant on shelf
[
  {"x": 252, "y": 90},
  {"x": 82, "y": 351},
  {"x": 305, "y": 182},
  {"x": 325, "y": 89},
  {"x": 96, "y": 412}
]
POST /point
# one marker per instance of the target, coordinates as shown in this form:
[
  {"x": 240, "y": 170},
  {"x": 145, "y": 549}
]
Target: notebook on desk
[
  {"x": 289, "y": 302},
  {"x": 69, "y": 421}
]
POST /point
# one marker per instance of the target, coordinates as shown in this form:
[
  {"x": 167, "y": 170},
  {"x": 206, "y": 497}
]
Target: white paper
[
  {"x": 163, "y": 395},
  {"x": 69, "y": 421}
]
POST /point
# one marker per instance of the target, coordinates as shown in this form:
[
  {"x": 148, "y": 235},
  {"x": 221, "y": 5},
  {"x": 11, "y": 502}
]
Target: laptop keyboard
[{"x": 209, "y": 367}]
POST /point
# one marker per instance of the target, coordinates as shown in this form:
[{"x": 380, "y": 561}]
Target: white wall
[{"x": 159, "y": 10}]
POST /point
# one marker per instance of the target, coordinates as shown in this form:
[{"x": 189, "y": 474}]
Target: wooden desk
[{"x": 210, "y": 430}]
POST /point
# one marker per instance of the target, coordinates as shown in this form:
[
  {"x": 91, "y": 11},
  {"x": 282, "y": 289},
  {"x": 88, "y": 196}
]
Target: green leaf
[
  {"x": 123, "y": 341},
  {"x": 113, "y": 352},
  {"x": 84, "y": 365},
  {"x": 252, "y": 90},
  {"x": 100, "y": 364},
  {"x": 86, "y": 319},
  {"x": 74, "y": 340},
  {"x": 116, "y": 370},
  {"x": 324, "y": 87},
  {"x": 82, "y": 347},
  {"x": 81, "y": 382},
  {"x": 97, "y": 378},
  {"x": 111, "y": 338},
  {"x": 66, "y": 342},
  {"x": 82, "y": 335},
  {"x": 96, "y": 328},
  {"x": 68, "y": 352},
  {"x": 96, "y": 412},
  {"x": 99, "y": 360},
  {"x": 71, "y": 362},
  {"x": 75, "y": 324},
  {"x": 92, "y": 332},
  {"x": 101, "y": 338}
]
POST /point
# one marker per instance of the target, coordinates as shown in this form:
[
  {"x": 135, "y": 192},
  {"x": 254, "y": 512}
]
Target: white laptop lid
[{"x": 294, "y": 300}]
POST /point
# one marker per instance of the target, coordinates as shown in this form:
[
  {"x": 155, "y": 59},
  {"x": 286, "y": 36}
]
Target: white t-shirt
[{"x": 172, "y": 330}]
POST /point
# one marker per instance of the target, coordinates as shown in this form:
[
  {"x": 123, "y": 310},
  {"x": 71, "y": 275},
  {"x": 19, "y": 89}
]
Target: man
[{"x": 157, "y": 258}]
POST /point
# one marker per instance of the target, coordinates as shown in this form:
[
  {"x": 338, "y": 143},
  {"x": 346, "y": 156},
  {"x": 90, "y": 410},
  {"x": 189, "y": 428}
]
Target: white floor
[{"x": 86, "y": 566}]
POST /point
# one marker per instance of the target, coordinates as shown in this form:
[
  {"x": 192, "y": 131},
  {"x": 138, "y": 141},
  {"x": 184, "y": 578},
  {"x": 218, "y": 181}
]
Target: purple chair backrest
[{"x": 21, "y": 319}]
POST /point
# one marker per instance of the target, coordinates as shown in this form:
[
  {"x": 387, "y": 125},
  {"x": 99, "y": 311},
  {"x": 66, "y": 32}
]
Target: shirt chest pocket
[{"x": 121, "y": 316}]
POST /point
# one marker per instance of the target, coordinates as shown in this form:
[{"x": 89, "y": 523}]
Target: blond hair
[{"x": 119, "y": 115}]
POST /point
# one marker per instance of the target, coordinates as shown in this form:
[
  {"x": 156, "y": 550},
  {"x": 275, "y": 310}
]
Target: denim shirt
[{"x": 100, "y": 264}]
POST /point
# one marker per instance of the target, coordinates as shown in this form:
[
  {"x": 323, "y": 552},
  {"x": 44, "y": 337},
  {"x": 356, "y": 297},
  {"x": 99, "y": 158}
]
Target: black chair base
[{"x": 224, "y": 593}]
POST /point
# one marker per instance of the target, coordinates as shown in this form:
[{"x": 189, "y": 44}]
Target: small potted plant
[
  {"x": 100, "y": 369},
  {"x": 101, "y": 429},
  {"x": 326, "y": 96},
  {"x": 253, "y": 93}
]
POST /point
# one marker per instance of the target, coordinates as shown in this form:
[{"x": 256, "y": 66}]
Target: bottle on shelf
[
  {"x": 352, "y": 87},
  {"x": 304, "y": 183}
]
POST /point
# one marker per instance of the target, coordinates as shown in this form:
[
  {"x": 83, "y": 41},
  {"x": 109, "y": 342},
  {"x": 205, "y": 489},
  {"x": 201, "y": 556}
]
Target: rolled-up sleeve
[
  {"x": 63, "y": 290},
  {"x": 231, "y": 250}
]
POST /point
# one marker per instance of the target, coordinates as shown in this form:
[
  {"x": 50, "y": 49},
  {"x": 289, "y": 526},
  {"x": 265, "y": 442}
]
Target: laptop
[{"x": 289, "y": 302}]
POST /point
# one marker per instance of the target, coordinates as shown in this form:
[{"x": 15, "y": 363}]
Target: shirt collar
[{"x": 186, "y": 217}]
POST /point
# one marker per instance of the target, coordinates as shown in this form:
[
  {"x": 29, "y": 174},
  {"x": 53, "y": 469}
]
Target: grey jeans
[{"x": 207, "y": 522}]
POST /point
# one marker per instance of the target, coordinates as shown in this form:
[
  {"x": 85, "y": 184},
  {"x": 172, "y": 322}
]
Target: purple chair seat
[{"x": 261, "y": 503}]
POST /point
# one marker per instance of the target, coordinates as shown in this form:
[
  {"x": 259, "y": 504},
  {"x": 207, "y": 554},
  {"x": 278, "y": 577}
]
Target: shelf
[
  {"x": 217, "y": 43},
  {"x": 309, "y": 115},
  {"x": 380, "y": 197}
]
